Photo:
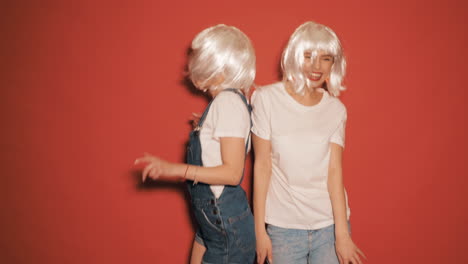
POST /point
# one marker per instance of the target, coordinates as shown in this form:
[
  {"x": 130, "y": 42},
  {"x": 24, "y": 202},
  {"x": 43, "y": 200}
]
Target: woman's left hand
[
  {"x": 195, "y": 118},
  {"x": 154, "y": 167},
  {"x": 347, "y": 251}
]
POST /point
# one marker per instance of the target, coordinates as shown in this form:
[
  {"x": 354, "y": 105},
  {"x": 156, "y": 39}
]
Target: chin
[{"x": 316, "y": 84}]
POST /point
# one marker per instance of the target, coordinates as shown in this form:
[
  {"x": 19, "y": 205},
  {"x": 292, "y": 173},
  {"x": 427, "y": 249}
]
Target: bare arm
[
  {"x": 347, "y": 251},
  {"x": 228, "y": 173},
  {"x": 336, "y": 190},
  {"x": 262, "y": 175}
]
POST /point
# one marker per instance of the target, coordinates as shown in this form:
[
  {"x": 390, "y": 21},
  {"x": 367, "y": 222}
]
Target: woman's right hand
[
  {"x": 154, "y": 166},
  {"x": 264, "y": 249}
]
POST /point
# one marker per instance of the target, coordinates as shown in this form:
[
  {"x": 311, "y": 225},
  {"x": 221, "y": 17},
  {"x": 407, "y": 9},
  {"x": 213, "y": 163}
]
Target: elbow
[{"x": 236, "y": 177}]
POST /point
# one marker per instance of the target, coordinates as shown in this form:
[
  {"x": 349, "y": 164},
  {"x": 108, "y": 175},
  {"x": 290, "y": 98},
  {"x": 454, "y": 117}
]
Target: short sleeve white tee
[
  {"x": 228, "y": 117},
  {"x": 300, "y": 138}
]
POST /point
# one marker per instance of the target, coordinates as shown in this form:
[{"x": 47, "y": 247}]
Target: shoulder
[
  {"x": 229, "y": 101},
  {"x": 227, "y": 97},
  {"x": 335, "y": 104}
]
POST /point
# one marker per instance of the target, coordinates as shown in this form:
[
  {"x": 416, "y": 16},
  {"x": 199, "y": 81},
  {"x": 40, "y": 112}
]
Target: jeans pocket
[
  {"x": 243, "y": 230},
  {"x": 204, "y": 221}
]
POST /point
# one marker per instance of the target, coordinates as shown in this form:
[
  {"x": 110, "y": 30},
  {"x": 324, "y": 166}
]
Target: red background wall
[{"x": 88, "y": 86}]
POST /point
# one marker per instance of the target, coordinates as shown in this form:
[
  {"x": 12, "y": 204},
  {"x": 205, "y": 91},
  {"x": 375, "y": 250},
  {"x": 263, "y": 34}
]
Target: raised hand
[{"x": 154, "y": 167}]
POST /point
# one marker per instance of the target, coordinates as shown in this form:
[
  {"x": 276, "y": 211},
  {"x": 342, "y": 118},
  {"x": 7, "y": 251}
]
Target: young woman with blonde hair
[
  {"x": 222, "y": 62},
  {"x": 298, "y": 137}
]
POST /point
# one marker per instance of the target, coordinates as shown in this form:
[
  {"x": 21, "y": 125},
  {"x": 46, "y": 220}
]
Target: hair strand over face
[{"x": 312, "y": 37}]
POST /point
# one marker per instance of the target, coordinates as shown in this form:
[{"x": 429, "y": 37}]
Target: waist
[{"x": 202, "y": 195}]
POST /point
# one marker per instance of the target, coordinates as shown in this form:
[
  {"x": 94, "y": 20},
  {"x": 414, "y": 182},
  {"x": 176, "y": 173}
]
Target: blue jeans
[{"x": 303, "y": 246}]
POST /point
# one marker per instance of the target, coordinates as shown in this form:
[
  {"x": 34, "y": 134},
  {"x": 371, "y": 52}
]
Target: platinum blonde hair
[
  {"x": 222, "y": 50},
  {"x": 312, "y": 37}
]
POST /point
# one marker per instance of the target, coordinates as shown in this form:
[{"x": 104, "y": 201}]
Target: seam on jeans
[
  {"x": 226, "y": 239},
  {"x": 332, "y": 243},
  {"x": 209, "y": 222},
  {"x": 309, "y": 242},
  {"x": 234, "y": 219}
]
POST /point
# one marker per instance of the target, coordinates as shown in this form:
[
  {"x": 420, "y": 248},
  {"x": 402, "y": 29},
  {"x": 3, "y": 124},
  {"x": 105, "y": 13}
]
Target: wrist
[
  {"x": 190, "y": 173},
  {"x": 260, "y": 230},
  {"x": 343, "y": 235},
  {"x": 342, "y": 227},
  {"x": 174, "y": 170}
]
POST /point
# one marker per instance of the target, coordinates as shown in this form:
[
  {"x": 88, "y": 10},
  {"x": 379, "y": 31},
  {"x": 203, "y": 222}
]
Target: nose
[{"x": 316, "y": 63}]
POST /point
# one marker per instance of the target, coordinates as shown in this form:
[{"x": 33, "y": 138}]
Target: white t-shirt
[
  {"x": 300, "y": 138},
  {"x": 228, "y": 117}
]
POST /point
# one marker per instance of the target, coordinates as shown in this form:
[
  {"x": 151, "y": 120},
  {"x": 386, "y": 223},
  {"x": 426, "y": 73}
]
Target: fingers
[
  {"x": 270, "y": 256},
  {"x": 361, "y": 253},
  {"x": 152, "y": 170},
  {"x": 195, "y": 119},
  {"x": 138, "y": 161},
  {"x": 146, "y": 171},
  {"x": 353, "y": 260},
  {"x": 153, "y": 173},
  {"x": 340, "y": 258},
  {"x": 264, "y": 255},
  {"x": 357, "y": 259},
  {"x": 260, "y": 256},
  {"x": 145, "y": 159}
]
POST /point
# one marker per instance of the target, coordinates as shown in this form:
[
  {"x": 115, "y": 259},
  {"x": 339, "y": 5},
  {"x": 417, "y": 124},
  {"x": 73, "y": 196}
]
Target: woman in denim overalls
[{"x": 222, "y": 62}]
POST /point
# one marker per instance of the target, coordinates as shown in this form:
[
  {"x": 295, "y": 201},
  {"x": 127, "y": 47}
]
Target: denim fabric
[
  {"x": 225, "y": 224},
  {"x": 303, "y": 246}
]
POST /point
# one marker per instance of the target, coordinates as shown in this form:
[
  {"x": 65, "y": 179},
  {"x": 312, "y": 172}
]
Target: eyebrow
[{"x": 324, "y": 55}]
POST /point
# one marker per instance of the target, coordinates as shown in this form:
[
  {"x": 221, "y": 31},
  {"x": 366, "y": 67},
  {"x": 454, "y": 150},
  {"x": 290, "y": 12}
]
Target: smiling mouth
[{"x": 314, "y": 76}]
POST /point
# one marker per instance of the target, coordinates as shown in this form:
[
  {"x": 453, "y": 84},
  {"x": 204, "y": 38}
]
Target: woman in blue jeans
[
  {"x": 298, "y": 137},
  {"x": 222, "y": 62}
]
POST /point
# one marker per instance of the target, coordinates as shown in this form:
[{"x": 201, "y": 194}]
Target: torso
[
  {"x": 300, "y": 140},
  {"x": 228, "y": 116}
]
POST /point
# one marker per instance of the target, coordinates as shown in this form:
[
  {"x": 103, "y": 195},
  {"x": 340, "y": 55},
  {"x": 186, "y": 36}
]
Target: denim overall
[{"x": 225, "y": 224}]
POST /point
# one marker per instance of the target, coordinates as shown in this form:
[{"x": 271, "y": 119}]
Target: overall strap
[
  {"x": 249, "y": 108},
  {"x": 203, "y": 117}
]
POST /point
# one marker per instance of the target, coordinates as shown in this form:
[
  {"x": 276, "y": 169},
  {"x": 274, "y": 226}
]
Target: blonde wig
[
  {"x": 222, "y": 50},
  {"x": 312, "y": 37}
]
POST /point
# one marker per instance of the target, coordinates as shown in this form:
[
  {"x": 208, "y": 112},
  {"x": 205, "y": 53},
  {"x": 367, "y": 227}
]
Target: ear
[{"x": 218, "y": 79}]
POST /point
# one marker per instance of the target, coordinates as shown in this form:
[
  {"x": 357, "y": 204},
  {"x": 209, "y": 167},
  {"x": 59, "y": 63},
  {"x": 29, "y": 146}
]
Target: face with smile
[{"x": 317, "y": 67}]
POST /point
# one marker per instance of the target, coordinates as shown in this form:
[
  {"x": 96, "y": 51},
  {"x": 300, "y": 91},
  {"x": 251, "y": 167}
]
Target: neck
[
  {"x": 308, "y": 91},
  {"x": 311, "y": 96}
]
